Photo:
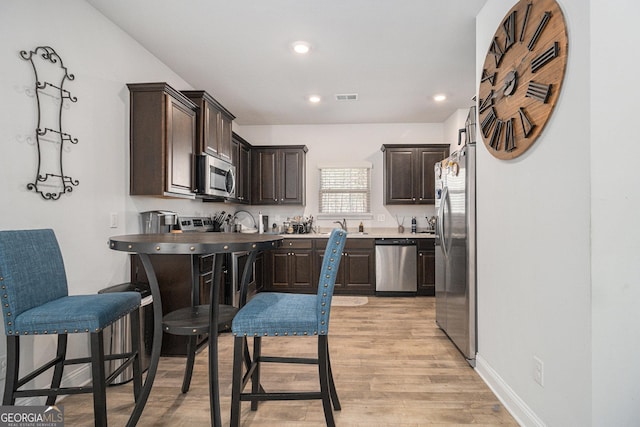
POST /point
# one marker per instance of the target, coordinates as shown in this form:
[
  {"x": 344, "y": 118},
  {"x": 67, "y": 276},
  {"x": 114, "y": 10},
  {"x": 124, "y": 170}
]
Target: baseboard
[{"x": 511, "y": 401}]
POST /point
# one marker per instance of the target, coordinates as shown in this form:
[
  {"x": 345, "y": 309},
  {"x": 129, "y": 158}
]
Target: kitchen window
[{"x": 345, "y": 190}]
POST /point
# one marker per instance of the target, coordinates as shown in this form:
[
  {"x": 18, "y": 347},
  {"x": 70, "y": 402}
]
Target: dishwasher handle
[{"x": 396, "y": 242}]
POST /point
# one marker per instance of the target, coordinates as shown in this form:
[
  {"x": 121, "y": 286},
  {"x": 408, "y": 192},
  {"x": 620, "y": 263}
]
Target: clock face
[{"x": 522, "y": 76}]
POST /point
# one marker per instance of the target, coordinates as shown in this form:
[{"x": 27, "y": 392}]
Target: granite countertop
[{"x": 382, "y": 233}]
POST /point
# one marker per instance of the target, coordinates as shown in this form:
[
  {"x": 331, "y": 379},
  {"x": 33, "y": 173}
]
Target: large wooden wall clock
[{"x": 522, "y": 76}]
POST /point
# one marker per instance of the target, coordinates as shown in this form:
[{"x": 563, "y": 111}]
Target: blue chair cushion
[
  {"x": 277, "y": 314},
  {"x": 75, "y": 313}
]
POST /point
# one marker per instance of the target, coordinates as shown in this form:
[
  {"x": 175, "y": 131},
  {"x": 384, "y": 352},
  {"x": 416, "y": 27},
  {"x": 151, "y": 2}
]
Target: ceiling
[{"x": 395, "y": 54}]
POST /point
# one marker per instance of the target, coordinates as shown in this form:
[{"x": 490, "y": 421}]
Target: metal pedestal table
[{"x": 188, "y": 244}]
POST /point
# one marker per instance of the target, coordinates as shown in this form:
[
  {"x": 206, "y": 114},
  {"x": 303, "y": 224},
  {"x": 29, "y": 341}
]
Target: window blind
[{"x": 345, "y": 190}]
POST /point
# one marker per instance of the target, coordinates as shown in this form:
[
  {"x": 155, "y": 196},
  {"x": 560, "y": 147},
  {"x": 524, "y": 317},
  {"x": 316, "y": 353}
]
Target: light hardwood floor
[{"x": 392, "y": 367}]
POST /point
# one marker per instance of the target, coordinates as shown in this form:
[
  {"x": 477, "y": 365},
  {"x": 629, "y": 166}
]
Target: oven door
[{"x": 238, "y": 262}]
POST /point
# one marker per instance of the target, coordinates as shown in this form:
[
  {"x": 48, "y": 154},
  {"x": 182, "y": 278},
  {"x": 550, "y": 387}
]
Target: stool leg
[
  {"x": 136, "y": 346},
  {"x": 239, "y": 347},
  {"x": 255, "y": 378},
  {"x": 13, "y": 365},
  {"x": 61, "y": 354},
  {"x": 323, "y": 368},
  {"x": 98, "y": 380},
  {"x": 332, "y": 384},
  {"x": 191, "y": 358}
]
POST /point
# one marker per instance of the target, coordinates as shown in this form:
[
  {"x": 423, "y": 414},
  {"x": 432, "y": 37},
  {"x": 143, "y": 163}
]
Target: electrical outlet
[
  {"x": 381, "y": 217},
  {"x": 538, "y": 371},
  {"x": 113, "y": 220}
]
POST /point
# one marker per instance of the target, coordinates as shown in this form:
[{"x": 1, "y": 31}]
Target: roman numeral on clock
[
  {"x": 509, "y": 27},
  {"x": 536, "y": 35},
  {"x": 486, "y": 76},
  {"x": 524, "y": 23},
  {"x": 546, "y": 56},
  {"x": 486, "y": 103},
  {"x": 525, "y": 121},
  {"x": 495, "y": 136},
  {"x": 539, "y": 91},
  {"x": 509, "y": 136},
  {"x": 496, "y": 51},
  {"x": 488, "y": 122}
]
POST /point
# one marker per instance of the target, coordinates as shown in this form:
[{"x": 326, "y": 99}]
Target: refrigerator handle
[{"x": 440, "y": 222}]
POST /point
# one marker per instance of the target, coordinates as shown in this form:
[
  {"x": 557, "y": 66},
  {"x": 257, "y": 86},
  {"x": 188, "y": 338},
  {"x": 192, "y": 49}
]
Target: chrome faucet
[{"x": 343, "y": 224}]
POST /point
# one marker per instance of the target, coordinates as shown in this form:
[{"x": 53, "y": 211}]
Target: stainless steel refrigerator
[{"x": 456, "y": 245}]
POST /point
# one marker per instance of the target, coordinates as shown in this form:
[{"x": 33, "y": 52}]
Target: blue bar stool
[
  {"x": 274, "y": 314},
  {"x": 35, "y": 301}
]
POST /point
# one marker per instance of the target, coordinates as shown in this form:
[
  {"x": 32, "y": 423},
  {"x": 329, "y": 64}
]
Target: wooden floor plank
[{"x": 392, "y": 365}]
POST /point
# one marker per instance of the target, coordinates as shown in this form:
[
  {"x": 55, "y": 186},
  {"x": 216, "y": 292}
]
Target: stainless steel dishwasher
[{"x": 396, "y": 267}]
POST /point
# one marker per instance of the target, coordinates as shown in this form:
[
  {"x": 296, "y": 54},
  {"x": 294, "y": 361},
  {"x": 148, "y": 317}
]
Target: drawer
[
  {"x": 426, "y": 244},
  {"x": 297, "y": 244}
]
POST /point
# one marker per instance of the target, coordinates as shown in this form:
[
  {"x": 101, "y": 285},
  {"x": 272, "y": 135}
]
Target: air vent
[{"x": 347, "y": 97}]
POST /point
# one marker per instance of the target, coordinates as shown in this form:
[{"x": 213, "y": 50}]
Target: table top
[{"x": 193, "y": 243}]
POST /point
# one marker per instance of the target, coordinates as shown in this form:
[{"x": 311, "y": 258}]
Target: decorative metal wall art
[{"x": 50, "y": 76}]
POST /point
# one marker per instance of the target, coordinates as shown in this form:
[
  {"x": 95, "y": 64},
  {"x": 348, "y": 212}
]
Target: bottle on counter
[
  {"x": 361, "y": 227},
  {"x": 414, "y": 225},
  {"x": 260, "y": 223}
]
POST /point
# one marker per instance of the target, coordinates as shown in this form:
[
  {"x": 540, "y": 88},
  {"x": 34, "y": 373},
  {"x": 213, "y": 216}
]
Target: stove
[{"x": 190, "y": 224}]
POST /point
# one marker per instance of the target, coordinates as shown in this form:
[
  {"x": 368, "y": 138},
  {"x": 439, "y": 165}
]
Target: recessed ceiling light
[
  {"x": 314, "y": 99},
  {"x": 301, "y": 47},
  {"x": 439, "y": 98}
]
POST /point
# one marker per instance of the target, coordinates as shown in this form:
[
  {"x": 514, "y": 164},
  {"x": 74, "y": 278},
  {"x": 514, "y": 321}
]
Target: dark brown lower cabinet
[
  {"x": 356, "y": 275},
  {"x": 296, "y": 267},
  {"x": 426, "y": 267},
  {"x": 174, "y": 280},
  {"x": 290, "y": 268}
]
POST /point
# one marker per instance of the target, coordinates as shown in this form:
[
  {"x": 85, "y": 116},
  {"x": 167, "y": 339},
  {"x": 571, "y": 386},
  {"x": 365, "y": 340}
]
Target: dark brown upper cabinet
[
  {"x": 278, "y": 175},
  {"x": 241, "y": 159},
  {"x": 408, "y": 172},
  {"x": 213, "y": 125},
  {"x": 162, "y": 141}
]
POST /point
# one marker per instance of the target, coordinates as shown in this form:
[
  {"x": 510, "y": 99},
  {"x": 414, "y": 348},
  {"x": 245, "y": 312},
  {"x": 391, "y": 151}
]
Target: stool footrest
[{"x": 307, "y": 395}]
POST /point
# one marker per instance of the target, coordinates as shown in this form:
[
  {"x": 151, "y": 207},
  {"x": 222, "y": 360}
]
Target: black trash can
[{"x": 117, "y": 337}]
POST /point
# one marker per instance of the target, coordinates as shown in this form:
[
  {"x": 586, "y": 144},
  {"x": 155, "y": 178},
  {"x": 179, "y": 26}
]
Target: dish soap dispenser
[{"x": 361, "y": 227}]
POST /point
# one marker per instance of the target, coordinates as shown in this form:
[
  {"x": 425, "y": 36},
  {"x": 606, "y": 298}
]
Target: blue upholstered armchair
[
  {"x": 35, "y": 301},
  {"x": 272, "y": 314}
]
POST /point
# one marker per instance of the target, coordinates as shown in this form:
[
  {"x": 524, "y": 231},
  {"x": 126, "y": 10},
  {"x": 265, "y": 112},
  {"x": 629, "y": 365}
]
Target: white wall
[
  {"x": 615, "y": 203},
  {"x": 543, "y": 219},
  {"x": 103, "y": 59},
  {"x": 344, "y": 143}
]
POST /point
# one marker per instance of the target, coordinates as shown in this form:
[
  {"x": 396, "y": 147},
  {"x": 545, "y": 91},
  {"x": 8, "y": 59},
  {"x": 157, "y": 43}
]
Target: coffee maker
[{"x": 155, "y": 222}]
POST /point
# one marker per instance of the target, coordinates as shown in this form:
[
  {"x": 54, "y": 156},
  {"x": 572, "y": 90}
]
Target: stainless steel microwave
[{"x": 216, "y": 177}]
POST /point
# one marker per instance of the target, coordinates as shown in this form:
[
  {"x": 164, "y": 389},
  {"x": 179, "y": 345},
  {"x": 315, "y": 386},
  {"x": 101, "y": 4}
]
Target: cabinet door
[
  {"x": 292, "y": 179},
  {"x": 180, "y": 147},
  {"x": 301, "y": 263},
  {"x": 263, "y": 189},
  {"x": 427, "y": 158},
  {"x": 426, "y": 273},
  {"x": 224, "y": 136},
  {"x": 359, "y": 272},
  {"x": 399, "y": 174},
  {"x": 279, "y": 271},
  {"x": 243, "y": 174},
  {"x": 209, "y": 139}
]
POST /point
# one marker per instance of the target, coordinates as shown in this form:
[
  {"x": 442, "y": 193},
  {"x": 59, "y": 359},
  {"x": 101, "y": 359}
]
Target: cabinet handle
[{"x": 419, "y": 254}]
